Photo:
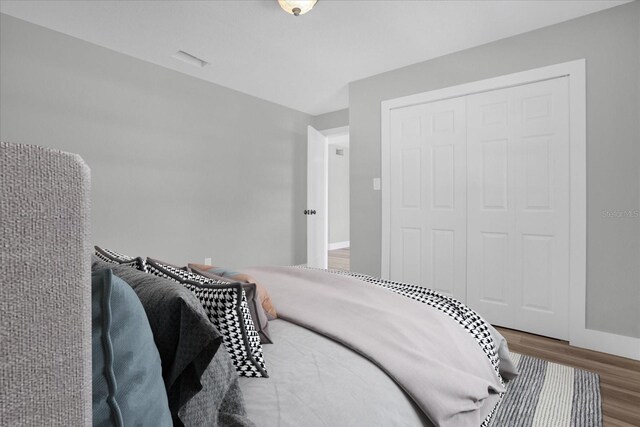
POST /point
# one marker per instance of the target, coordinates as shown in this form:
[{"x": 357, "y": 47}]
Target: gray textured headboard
[{"x": 45, "y": 288}]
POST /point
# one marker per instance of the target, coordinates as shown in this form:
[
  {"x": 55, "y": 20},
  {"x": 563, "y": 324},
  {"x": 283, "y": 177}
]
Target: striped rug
[{"x": 547, "y": 394}]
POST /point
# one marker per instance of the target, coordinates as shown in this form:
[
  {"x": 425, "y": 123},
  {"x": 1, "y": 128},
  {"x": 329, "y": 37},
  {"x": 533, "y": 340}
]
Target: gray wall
[
  {"x": 610, "y": 42},
  {"x": 182, "y": 169},
  {"x": 334, "y": 119},
  {"x": 338, "y": 194}
]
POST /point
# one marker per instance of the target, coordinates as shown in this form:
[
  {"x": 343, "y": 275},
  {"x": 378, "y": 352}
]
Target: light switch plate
[
  {"x": 376, "y": 183},
  {"x": 207, "y": 261}
]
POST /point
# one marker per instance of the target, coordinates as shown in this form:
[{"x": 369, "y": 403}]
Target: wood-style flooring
[
  {"x": 619, "y": 377},
  {"x": 339, "y": 259}
]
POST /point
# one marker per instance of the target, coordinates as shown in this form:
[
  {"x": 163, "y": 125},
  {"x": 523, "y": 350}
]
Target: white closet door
[
  {"x": 428, "y": 196},
  {"x": 518, "y": 207}
]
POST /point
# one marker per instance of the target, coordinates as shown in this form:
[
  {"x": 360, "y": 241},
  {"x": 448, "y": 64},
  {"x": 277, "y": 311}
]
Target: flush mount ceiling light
[{"x": 297, "y": 7}]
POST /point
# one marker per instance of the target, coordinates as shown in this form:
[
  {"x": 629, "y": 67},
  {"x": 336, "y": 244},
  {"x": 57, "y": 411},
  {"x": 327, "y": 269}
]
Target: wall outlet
[{"x": 207, "y": 261}]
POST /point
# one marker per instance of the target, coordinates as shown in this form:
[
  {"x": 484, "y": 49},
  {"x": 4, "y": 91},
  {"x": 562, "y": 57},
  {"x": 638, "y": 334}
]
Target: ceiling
[{"x": 305, "y": 62}]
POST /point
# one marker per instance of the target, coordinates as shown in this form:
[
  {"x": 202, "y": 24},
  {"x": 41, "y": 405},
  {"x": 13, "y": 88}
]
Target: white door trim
[{"x": 579, "y": 335}]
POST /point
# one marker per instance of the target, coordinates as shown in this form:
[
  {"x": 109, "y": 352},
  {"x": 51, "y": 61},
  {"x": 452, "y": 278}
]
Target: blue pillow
[{"x": 128, "y": 389}]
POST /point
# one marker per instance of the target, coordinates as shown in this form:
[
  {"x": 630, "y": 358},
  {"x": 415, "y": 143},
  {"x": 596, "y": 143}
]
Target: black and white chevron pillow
[
  {"x": 226, "y": 305},
  {"x": 118, "y": 258}
]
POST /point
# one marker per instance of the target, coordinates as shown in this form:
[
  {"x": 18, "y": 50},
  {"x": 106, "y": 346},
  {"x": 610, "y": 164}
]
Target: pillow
[
  {"x": 227, "y": 308},
  {"x": 260, "y": 319},
  {"x": 263, "y": 294},
  {"x": 185, "y": 338},
  {"x": 127, "y": 373},
  {"x": 118, "y": 258}
]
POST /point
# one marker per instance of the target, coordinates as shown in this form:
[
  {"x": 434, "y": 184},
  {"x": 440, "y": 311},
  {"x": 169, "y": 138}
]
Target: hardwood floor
[
  {"x": 339, "y": 259},
  {"x": 619, "y": 377}
]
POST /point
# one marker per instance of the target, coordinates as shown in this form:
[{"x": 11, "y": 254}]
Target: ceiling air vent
[{"x": 190, "y": 59}]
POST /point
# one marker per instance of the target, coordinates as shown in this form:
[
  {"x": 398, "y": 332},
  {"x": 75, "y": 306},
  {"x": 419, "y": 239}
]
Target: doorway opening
[
  {"x": 338, "y": 178},
  {"x": 328, "y": 198}
]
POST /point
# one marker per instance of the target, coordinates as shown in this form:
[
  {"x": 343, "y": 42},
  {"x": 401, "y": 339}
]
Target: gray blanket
[
  {"x": 431, "y": 356},
  {"x": 315, "y": 381}
]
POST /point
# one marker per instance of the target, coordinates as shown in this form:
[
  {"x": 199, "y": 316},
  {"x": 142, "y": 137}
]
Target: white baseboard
[
  {"x": 607, "y": 342},
  {"x": 338, "y": 245}
]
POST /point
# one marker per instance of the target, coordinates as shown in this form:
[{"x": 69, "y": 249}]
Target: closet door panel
[
  {"x": 445, "y": 188},
  {"x": 408, "y": 207},
  {"x": 518, "y": 194},
  {"x": 490, "y": 206},
  {"x": 542, "y": 207},
  {"x": 428, "y": 196}
]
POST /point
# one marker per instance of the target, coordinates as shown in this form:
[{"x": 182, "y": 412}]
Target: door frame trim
[{"x": 575, "y": 71}]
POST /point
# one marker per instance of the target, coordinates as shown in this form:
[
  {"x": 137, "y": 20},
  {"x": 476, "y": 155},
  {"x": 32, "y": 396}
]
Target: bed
[{"x": 345, "y": 349}]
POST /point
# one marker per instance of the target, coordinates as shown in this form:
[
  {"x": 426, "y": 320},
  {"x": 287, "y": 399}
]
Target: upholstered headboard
[{"x": 45, "y": 293}]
